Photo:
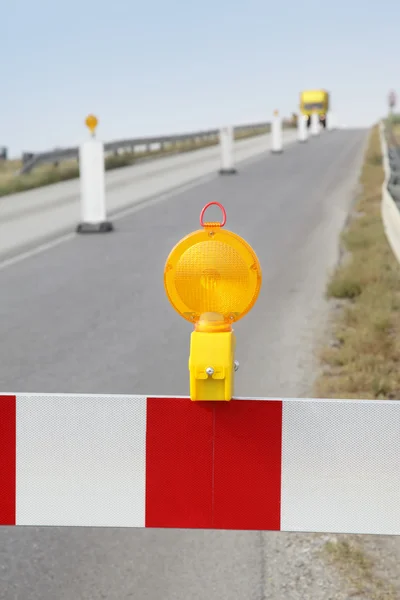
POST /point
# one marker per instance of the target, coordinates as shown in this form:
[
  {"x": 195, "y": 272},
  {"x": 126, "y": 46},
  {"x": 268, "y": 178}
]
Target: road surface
[{"x": 91, "y": 316}]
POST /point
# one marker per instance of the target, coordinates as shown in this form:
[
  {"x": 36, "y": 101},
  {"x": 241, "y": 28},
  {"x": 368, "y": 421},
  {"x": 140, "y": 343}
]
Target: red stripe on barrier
[
  {"x": 179, "y": 455},
  {"x": 8, "y": 411},
  {"x": 247, "y": 465}
]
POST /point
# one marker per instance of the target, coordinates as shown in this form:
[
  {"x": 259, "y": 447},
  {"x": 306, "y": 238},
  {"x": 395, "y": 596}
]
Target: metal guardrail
[
  {"x": 31, "y": 160},
  {"x": 390, "y": 205},
  {"x": 393, "y": 148}
]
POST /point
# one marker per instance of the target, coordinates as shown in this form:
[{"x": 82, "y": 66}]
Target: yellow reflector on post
[
  {"x": 91, "y": 123},
  {"x": 212, "y": 278}
]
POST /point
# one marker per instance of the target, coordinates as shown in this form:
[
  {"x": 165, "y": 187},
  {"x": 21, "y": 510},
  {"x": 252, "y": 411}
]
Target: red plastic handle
[{"x": 207, "y": 206}]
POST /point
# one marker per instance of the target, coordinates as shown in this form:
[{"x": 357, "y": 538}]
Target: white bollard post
[
  {"x": 226, "y": 143},
  {"x": 276, "y": 134},
  {"x": 302, "y": 133},
  {"x": 330, "y": 120},
  {"x": 92, "y": 184},
  {"x": 314, "y": 124}
]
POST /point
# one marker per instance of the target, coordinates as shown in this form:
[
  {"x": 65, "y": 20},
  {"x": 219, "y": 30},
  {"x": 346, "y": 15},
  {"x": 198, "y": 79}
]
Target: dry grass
[
  {"x": 46, "y": 174},
  {"x": 8, "y": 168},
  {"x": 11, "y": 182},
  {"x": 358, "y": 570},
  {"x": 362, "y": 361}
]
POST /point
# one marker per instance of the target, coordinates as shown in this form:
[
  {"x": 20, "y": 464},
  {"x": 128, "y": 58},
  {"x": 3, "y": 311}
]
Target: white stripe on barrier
[
  {"x": 340, "y": 467},
  {"x": 81, "y": 460}
]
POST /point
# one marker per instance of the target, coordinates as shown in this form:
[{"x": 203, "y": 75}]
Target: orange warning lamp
[
  {"x": 212, "y": 278},
  {"x": 91, "y": 123}
]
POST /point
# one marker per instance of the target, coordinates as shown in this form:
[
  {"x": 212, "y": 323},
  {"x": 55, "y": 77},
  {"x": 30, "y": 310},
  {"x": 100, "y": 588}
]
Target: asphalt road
[
  {"x": 91, "y": 316},
  {"x": 39, "y": 215}
]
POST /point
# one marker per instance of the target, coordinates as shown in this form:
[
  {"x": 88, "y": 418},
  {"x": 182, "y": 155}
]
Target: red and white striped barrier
[{"x": 131, "y": 461}]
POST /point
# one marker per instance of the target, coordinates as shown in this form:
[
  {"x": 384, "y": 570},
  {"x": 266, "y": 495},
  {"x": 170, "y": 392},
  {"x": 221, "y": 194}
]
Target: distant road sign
[{"x": 392, "y": 99}]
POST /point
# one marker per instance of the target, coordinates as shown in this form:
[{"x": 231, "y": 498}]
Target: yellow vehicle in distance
[{"x": 314, "y": 101}]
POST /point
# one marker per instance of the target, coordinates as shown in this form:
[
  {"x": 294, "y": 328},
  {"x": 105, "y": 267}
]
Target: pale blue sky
[{"x": 159, "y": 66}]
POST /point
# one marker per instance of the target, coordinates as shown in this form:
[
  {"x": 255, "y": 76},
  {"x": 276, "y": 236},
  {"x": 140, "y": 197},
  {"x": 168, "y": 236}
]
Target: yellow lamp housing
[
  {"x": 212, "y": 278},
  {"x": 212, "y": 359}
]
